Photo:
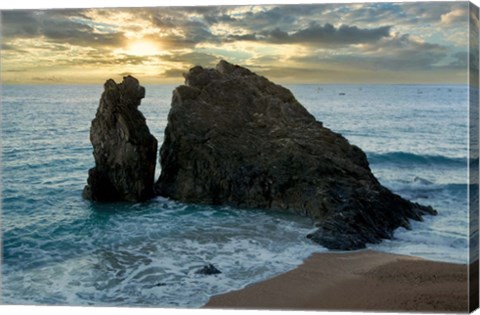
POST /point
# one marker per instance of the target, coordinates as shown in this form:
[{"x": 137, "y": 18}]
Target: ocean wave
[
  {"x": 97, "y": 254},
  {"x": 421, "y": 188},
  {"x": 428, "y": 186},
  {"x": 407, "y": 158}
]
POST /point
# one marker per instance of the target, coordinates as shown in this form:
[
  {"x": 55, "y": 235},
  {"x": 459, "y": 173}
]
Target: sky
[{"x": 411, "y": 42}]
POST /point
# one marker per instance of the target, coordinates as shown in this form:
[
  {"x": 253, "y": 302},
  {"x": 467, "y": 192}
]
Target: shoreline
[{"x": 363, "y": 280}]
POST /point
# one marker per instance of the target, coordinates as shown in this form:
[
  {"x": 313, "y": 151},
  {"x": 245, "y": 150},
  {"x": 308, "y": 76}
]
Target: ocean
[{"x": 60, "y": 249}]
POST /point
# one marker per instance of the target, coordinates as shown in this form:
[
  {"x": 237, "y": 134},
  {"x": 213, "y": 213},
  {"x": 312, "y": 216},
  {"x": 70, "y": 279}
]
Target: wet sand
[{"x": 362, "y": 280}]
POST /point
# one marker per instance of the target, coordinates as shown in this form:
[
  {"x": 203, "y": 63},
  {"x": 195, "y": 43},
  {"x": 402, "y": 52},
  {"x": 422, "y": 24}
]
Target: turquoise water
[
  {"x": 60, "y": 249},
  {"x": 416, "y": 139}
]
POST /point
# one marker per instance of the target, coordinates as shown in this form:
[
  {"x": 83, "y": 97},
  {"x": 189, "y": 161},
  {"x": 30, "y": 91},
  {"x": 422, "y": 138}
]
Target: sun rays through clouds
[{"x": 319, "y": 43}]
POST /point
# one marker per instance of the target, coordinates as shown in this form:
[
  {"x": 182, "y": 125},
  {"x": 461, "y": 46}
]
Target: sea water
[{"x": 60, "y": 249}]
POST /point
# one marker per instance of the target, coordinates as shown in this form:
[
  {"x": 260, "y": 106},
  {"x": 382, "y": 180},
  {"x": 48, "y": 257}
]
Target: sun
[{"x": 142, "y": 48}]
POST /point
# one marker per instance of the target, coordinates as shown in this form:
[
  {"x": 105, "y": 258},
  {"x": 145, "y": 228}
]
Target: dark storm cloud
[
  {"x": 20, "y": 24},
  {"x": 198, "y": 29},
  {"x": 398, "y": 53},
  {"x": 173, "y": 73},
  {"x": 162, "y": 21},
  {"x": 331, "y": 35},
  {"x": 189, "y": 31},
  {"x": 245, "y": 37},
  {"x": 7, "y": 47},
  {"x": 211, "y": 15},
  {"x": 278, "y": 16},
  {"x": 317, "y": 34},
  {"x": 58, "y": 26},
  {"x": 174, "y": 42},
  {"x": 193, "y": 58},
  {"x": 185, "y": 27}
]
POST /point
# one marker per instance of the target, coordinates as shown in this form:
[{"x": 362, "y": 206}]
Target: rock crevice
[
  {"x": 235, "y": 138},
  {"x": 124, "y": 150}
]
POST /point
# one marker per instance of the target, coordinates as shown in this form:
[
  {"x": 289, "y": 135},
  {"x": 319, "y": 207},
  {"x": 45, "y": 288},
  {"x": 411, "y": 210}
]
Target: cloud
[
  {"x": 329, "y": 35},
  {"x": 182, "y": 27},
  {"x": 14, "y": 70},
  {"x": 282, "y": 41},
  {"x": 173, "y": 73},
  {"x": 52, "y": 79},
  {"x": 10, "y": 47},
  {"x": 314, "y": 34},
  {"x": 212, "y": 19},
  {"x": 56, "y": 26},
  {"x": 193, "y": 58},
  {"x": 460, "y": 60},
  {"x": 457, "y": 15},
  {"x": 244, "y": 37},
  {"x": 195, "y": 24},
  {"x": 402, "y": 52},
  {"x": 285, "y": 17},
  {"x": 20, "y": 24},
  {"x": 127, "y": 73},
  {"x": 372, "y": 13},
  {"x": 398, "y": 53},
  {"x": 121, "y": 60}
]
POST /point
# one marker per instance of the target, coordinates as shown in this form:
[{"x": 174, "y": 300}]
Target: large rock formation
[
  {"x": 235, "y": 138},
  {"x": 125, "y": 152}
]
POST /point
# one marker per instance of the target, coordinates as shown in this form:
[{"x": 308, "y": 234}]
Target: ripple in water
[
  {"x": 60, "y": 249},
  {"x": 148, "y": 255}
]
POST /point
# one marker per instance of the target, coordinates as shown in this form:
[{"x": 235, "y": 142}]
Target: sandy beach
[{"x": 362, "y": 280}]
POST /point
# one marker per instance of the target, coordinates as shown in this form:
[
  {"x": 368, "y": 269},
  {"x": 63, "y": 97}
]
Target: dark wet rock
[
  {"x": 208, "y": 270},
  {"x": 235, "y": 138},
  {"x": 124, "y": 150}
]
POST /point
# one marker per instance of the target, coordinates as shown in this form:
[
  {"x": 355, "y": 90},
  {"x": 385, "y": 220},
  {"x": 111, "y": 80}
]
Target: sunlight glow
[{"x": 142, "y": 48}]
